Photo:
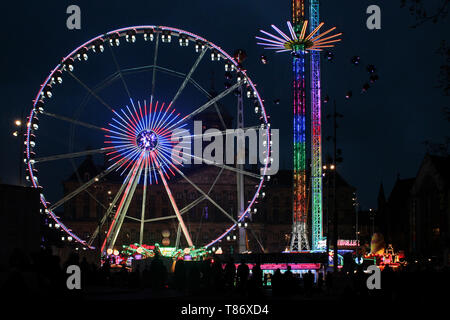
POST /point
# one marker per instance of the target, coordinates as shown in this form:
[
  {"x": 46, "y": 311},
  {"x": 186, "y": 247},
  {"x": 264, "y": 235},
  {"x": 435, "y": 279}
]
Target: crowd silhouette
[{"x": 44, "y": 275}]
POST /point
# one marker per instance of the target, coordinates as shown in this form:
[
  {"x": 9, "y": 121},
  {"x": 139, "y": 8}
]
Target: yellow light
[
  {"x": 109, "y": 192},
  {"x": 18, "y": 123},
  {"x": 15, "y": 133},
  {"x": 332, "y": 167},
  {"x": 116, "y": 252},
  {"x": 109, "y": 251},
  {"x": 324, "y": 167}
]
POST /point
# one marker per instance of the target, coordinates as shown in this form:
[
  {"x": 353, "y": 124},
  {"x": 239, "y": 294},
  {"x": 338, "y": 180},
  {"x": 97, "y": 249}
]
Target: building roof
[
  {"x": 442, "y": 165},
  {"x": 401, "y": 190}
]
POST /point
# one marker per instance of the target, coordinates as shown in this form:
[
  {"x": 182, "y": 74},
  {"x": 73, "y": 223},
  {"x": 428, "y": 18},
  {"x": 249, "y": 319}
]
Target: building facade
[{"x": 268, "y": 229}]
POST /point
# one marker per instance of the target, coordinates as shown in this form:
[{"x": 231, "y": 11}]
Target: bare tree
[{"x": 426, "y": 11}]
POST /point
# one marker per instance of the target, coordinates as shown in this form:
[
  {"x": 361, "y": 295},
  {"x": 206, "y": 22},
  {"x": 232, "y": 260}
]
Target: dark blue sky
[{"x": 382, "y": 132}]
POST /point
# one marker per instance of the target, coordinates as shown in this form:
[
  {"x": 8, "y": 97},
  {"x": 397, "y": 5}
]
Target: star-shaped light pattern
[
  {"x": 299, "y": 41},
  {"x": 144, "y": 132}
]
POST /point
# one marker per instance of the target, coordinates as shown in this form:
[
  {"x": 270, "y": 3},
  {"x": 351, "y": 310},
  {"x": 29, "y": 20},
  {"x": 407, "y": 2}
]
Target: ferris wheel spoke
[
  {"x": 71, "y": 155},
  {"x": 256, "y": 238},
  {"x": 109, "y": 210},
  {"x": 212, "y": 134},
  {"x": 163, "y": 218},
  {"x": 208, "y": 104},
  {"x": 85, "y": 186},
  {"x": 77, "y": 122},
  {"x": 221, "y": 165},
  {"x": 120, "y": 72},
  {"x": 95, "y": 95},
  {"x": 215, "y": 180},
  {"x": 174, "y": 205},
  {"x": 196, "y": 202},
  {"x": 192, "y": 204},
  {"x": 219, "y": 114},
  {"x": 204, "y": 194},
  {"x": 202, "y": 197},
  {"x": 188, "y": 76},
  {"x": 155, "y": 60},
  {"x": 247, "y": 173}
]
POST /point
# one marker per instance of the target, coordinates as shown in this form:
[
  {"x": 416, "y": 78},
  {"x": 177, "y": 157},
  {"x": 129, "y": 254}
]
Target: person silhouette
[
  {"x": 230, "y": 274},
  {"x": 257, "y": 275},
  {"x": 308, "y": 280},
  {"x": 242, "y": 275},
  {"x": 276, "y": 282},
  {"x": 320, "y": 281},
  {"x": 288, "y": 280},
  {"x": 180, "y": 275}
]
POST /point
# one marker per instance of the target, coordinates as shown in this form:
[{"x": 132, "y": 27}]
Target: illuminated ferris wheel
[{"x": 126, "y": 119}]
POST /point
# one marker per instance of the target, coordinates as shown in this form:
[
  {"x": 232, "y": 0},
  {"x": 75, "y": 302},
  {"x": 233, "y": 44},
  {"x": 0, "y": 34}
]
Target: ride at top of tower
[{"x": 298, "y": 39}]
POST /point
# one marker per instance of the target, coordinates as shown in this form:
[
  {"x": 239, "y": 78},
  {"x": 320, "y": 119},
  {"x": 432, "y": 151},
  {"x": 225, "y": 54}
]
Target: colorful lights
[
  {"x": 298, "y": 42},
  {"x": 125, "y": 144},
  {"x": 143, "y": 129},
  {"x": 298, "y": 39},
  {"x": 316, "y": 134},
  {"x": 299, "y": 239},
  {"x": 145, "y": 251}
]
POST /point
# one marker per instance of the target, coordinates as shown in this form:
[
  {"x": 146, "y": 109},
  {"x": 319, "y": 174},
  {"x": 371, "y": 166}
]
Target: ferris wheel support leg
[
  {"x": 134, "y": 171},
  {"x": 243, "y": 243},
  {"x": 144, "y": 195},
  {"x": 110, "y": 208},
  {"x": 177, "y": 241},
  {"x": 174, "y": 205},
  {"x": 124, "y": 210}
]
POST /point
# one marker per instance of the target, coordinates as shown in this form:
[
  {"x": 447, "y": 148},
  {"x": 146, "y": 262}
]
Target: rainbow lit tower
[
  {"x": 299, "y": 44},
  {"x": 299, "y": 237},
  {"x": 316, "y": 135}
]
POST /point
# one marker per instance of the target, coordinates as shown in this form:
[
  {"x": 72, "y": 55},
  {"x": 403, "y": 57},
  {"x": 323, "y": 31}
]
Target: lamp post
[
  {"x": 19, "y": 133},
  {"x": 335, "y": 211},
  {"x": 231, "y": 239},
  {"x": 328, "y": 170}
]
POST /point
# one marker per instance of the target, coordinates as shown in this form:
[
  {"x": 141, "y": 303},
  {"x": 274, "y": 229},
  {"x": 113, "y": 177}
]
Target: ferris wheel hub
[{"x": 147, "y": 140}]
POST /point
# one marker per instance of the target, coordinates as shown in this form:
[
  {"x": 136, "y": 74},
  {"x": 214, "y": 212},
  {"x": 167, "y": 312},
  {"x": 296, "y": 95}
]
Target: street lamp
[
  {"x": 231, "y": 239},
  {"x": 20, "y": 133}
]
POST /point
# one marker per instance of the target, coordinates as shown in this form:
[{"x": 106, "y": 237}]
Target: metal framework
[
  {"x": 242, "y": 247},
  {"x": 129, "y": 137},
  {"x": 298, "y": 43},
  {"x": 299, "y": 237},
  {"x": 316, "y": 135}
]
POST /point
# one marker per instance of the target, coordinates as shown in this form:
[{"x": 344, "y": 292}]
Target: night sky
[{"x": 381, "y": 134}]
